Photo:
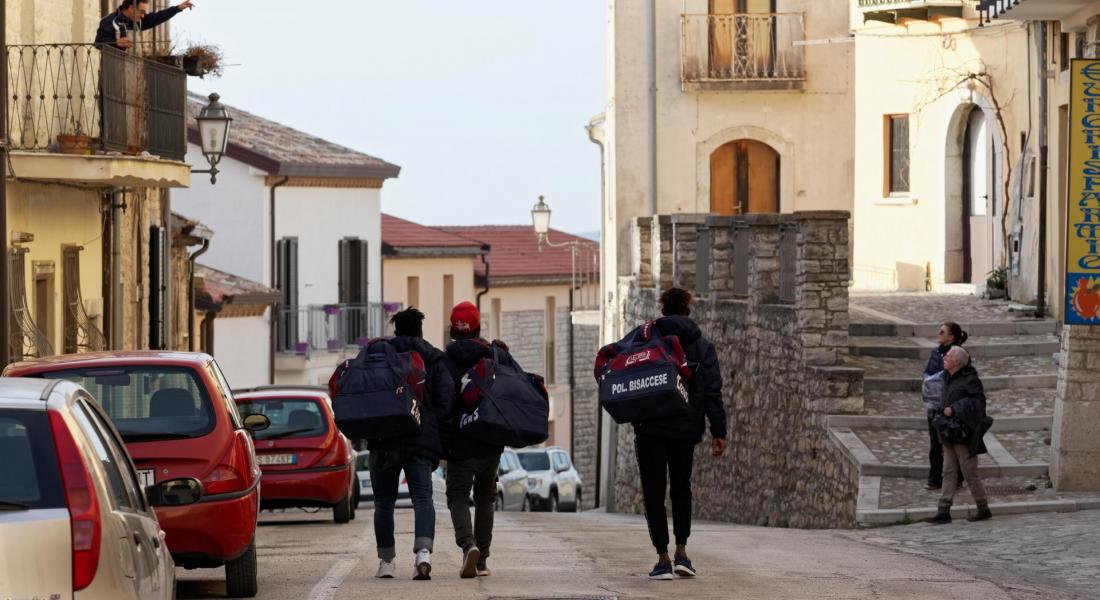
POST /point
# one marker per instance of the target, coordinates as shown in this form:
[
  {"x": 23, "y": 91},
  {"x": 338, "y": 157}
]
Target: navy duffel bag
[
  {"x": 503, "y": 405},
  {"x": 643, "y": 377},
  {"x": 377, "y": 395}
]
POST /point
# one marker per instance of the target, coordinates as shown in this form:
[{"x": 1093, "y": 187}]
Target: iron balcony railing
[
  {"x": 82, "y": 99},
  {"x": 743, "y": 47},
  {"x": 909, "y": 4},
  {"x": 329, "y": 328}
]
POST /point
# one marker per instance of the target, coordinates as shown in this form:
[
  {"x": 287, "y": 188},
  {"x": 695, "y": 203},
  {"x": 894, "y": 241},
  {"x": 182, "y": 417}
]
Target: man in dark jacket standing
[
  {"x": 114, "y": 29},
  {"x": 417, "y": 456},
  {"x": 471, "y": 464},
  {"x": 964, "y": 402},
  {"x": 666, "y": 448}
]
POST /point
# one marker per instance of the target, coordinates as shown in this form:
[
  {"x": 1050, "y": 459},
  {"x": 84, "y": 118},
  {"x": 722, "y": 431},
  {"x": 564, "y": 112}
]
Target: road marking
[{"x": 326, "y": 588}]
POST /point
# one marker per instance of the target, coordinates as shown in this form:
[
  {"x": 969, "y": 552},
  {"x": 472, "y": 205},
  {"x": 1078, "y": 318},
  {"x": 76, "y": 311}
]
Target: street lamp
[{"x": 214, "y": 122}]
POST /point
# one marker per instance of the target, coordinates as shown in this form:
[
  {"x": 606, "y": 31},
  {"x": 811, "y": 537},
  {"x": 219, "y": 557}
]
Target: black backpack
[
  {"x": 503, "y": 405},
  {"x": 378, "y": 395}
]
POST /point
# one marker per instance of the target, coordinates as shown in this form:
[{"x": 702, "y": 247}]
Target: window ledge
[{"x": 897, "y": 200}]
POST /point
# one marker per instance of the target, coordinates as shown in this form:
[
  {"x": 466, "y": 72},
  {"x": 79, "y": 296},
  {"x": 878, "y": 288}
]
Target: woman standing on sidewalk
[{"x": 950, "y": 335}]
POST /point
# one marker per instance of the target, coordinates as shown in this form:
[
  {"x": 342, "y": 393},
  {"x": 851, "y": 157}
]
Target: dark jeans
[
  {"x": 385, "y": 473},
  {"x": 935, "y": 453},
  {"x": 480, "y": 475},
  {"x": 665, "y": 465}
]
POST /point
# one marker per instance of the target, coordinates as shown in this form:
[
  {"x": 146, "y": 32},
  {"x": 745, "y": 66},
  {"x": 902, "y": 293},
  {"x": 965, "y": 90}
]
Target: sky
[{"x": 482, "y": 103}]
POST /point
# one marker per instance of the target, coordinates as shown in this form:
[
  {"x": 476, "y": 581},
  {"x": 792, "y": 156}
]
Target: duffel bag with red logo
[
  {"x": 503, "y": 405},
  {"x": 378, "y": 394},
  {"x": 643, "y": 377}
]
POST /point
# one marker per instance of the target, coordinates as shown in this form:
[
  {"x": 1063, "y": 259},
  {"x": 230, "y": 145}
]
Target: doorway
[
  {"x": 979, "y": 199},
  {"x": 744, "y": 178}
]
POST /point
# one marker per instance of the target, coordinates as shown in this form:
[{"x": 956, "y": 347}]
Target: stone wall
[
  {"x": 524, "y": 331},
  {"x": 781, "y": 344},
  {"x": 586, "y": 410},
  {"x": 1075, "y": 443}
]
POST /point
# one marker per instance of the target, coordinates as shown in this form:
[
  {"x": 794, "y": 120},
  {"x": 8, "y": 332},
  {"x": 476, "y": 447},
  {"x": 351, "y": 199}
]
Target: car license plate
[
  {"x": 277, "y": 459},
  {"x": 147, "y": 477}
]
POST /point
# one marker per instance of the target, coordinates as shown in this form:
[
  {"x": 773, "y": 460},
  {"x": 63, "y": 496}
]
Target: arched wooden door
[{"x": 744, "y": 178}]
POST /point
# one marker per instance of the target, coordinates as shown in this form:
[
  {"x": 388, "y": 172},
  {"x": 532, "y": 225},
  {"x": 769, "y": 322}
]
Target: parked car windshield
[
  {"x": 362, "y": 462},
  {"x": 535, "y": 461},
  {"x": 28, "y": 472},
  {"x": 290, "y": 417},
  {"x": 148, "y": 402}
]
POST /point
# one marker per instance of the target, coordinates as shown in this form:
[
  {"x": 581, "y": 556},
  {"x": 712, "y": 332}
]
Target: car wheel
[
  {"x": 341, "y": 513},
  {"x": 526, "y": 504},
  {"x": 576, "y": 502},
  {"x": 240, "y": 575},
  {"x": 498, "y": 503},
  {"x": 354, "y": 502},
  {"x": 553, "y": 502}
]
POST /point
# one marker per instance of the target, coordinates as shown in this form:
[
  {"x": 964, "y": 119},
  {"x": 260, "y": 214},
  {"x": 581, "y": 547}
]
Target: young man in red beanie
[{"x": 471, "y": 464}]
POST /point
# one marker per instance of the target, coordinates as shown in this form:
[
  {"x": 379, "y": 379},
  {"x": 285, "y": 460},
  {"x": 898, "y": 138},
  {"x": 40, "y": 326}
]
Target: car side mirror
[
  {"x": 175, "y": 492},
  {"x": 256, "y": 422},
  {"x": 561, "y": 468}
]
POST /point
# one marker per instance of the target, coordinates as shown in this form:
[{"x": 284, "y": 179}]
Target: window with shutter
[
  {"x": 354, "y": 262},
  {"x": 286, "y": 269},
  {"x": 158, "y": 287},
  {"x": 81, "y": 333},
  {"x": 898, "y": 153}
]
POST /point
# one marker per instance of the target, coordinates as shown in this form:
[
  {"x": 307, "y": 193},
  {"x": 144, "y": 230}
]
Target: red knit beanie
[{"x": 465, "y": 319}]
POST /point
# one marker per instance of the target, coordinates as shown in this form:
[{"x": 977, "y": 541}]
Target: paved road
[
  {"x": 591, "y": 555},
  {"x": 1048, "y": 556}
]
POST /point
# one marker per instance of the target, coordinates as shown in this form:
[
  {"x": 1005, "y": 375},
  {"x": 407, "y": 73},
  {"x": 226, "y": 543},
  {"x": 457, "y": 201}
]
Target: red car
[
  {"x": 305, "y": 459},
  {"x": 177, "y": 417}
]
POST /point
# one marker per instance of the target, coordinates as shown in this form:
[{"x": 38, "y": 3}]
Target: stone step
[
  {"x": 1027, "y": 423},
  {"x": 1000, "y": 403},
  {"x": 921, "y": 348},
  {"x": 992, "y": 382},
  {"x": 985, "y": 471},
  {"x": 929, "y": 330},
  {"x": 904, "y": 452},
  {"x": 897, "y": 516}
]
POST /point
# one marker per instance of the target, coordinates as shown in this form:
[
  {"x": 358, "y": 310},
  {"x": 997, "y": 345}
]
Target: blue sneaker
[
  {"x": 661, "y": 572},
  {"x": 684, "y": 568}
]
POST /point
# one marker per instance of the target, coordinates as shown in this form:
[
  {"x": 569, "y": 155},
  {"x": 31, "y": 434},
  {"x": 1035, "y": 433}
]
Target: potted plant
[
  {"x": 75, "y": 141},
  {"x": 201, "y": 60},
  {"x": 996, "y": 283}
]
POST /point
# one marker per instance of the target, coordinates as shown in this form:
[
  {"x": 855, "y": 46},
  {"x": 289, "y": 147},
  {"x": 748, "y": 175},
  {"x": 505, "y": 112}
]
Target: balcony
[
  {"x": 890, "y": 11},
  {"x": 743, "y": 52},
  {"x": 1031, "y": 10},
  {"x": 99, "y": 104},
  {"x": 332, "y": 328}
]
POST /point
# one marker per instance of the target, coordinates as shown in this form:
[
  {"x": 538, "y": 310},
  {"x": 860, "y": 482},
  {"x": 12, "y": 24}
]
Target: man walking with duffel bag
[
  {"x": 471, "y": 463},
  {"x": 416, "y": 453},
  {"x": 666, "y": 446}
]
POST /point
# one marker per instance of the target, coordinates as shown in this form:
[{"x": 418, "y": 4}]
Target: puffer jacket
[
  {"x": 461, "y": 356},
  {"x": 965, "y": 395},
  {"x": 438, "y": 397},
  {"x": 704, "y": 389}
]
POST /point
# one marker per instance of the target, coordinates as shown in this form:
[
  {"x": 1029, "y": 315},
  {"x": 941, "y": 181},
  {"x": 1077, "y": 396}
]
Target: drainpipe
[
  {"x": 169, "y": 299},
  {"x": 191, "y": 294},
  {"x": 594, "y": 138},
  {"x": 5, "y": 308},
  {"x": 484, "y": 261},
  {"x": 1041, "y": 42},
  {"x": 652, "y": 107},
  {"x": 273, "y": 329},
  {"x": 116, "y": 268}
]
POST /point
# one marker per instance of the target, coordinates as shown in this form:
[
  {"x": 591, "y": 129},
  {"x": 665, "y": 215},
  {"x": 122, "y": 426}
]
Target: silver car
[
  {"x": 553, "y": 483},
  {"x": 511, "y": 483},
  {"x": 74, "y": 522}
]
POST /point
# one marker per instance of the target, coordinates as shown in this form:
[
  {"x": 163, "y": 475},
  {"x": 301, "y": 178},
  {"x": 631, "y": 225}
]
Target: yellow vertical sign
[{"x": 1083, "y": 201}]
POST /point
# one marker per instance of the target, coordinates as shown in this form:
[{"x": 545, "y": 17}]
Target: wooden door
[{"x": 744, "y": 178}]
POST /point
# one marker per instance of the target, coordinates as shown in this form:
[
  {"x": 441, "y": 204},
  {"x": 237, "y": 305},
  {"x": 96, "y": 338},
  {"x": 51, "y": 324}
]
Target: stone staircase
[{"x": 891, "y": 336}]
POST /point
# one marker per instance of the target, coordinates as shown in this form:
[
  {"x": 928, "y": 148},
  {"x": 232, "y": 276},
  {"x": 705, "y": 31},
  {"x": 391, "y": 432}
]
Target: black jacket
[
  {"x": 117, "y": 25},
  {"x": 965, "y": 395},
  {"x": 438, "y": 396},
  {"x": 704, "y": 389},
  {"x": 462, "y": 355}
]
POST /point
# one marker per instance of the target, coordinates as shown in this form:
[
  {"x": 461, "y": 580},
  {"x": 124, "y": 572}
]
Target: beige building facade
[{"x": 89, "y": 240}]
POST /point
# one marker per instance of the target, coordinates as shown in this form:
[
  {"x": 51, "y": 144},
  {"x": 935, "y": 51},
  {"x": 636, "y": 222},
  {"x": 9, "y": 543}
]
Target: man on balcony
[{"x": 132, "y": 15}]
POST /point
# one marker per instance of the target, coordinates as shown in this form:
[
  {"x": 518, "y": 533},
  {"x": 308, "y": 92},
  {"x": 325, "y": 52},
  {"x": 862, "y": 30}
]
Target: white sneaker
[
  {"x": 423, "y": 565},
  {"x": 385, "y": 570}
]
